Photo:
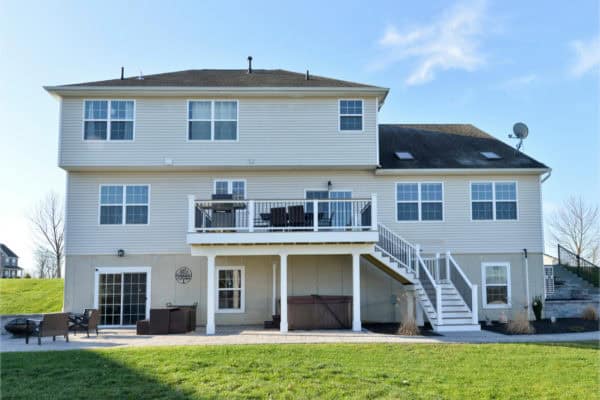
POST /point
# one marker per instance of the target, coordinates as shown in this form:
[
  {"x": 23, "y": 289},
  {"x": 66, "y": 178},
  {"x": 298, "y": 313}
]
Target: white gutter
[
  {"x": 187, "y": 90},
  {"x": 461, "y": 171},
  {"x": 548, "y": 175}
]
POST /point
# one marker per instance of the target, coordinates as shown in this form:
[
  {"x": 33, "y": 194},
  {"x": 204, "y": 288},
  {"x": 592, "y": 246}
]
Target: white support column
[
  {"x": 210, "y": 295},
  {"x": 274, "y": 302},
  {"x": 356, "y": 322},
  {"x": 283, "y": 326},
  {"x": 191, "y": 213}
]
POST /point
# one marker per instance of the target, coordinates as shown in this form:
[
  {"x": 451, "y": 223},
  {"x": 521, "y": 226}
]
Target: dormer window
[
  {"x": 351, "y": 115},
  {"x": 404, "y": 155},
  {"x": 108, "y": 120},
  {"x": 490, "y": 155}
]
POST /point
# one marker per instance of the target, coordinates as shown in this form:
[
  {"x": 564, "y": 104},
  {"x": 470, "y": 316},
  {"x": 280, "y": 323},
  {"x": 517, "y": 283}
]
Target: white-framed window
[
  {"x": 213, "y": 120},
  {"x": 230, "y": 289},
  {"x": 419, "y": 201},
  {"x": 493, "y": 201},
  {"x": 235, "y": 187},
  {"x": 124, "y": 204},
  {"x": 108, "y": 120},
  {"x": 495, "y": 287},
  {"x": 351, "y": 115}
]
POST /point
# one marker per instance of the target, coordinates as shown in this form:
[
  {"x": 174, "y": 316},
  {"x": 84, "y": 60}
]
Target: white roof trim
[{"x": 461, "y": 171}]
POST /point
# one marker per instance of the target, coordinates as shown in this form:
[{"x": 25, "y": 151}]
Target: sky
[{"x": 489, "y": 63}]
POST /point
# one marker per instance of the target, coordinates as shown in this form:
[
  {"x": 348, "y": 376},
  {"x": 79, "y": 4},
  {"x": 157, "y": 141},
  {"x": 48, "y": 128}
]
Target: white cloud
[
  {"x": 587, "y": 56},
  {"x": 451, "y": 41}
]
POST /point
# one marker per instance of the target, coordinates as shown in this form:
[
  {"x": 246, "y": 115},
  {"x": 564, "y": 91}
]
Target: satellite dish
[{"x": 520, "y": 130}]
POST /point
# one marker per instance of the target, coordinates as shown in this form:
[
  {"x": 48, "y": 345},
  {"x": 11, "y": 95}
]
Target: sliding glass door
[
  {"x": 122, "y": 295},
  {"x": 337, "y": 213}
]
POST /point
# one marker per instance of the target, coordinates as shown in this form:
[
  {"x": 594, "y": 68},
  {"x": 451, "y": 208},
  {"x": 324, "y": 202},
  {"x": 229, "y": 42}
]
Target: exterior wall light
[{"x": 121, "y": 253}]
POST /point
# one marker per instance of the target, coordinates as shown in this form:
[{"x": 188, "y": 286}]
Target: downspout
[{"x": 527, "y": 284}]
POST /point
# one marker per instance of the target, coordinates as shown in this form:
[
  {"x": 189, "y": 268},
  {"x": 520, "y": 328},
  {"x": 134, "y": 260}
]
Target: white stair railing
[
  {"x": 399, "y": 249},
  {"x": 431, "y": 288},
  {"x": 463, "y": 285}
]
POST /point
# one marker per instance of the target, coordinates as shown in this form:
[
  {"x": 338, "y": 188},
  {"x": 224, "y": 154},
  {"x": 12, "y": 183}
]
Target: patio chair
[
  {"x": 278, "y": 217},
  {"x": 56, "y": 324},
  {"x": 91, "y": 320},
  {"x": 297, "y": 217},
  {"x": 327, "y": 220}
]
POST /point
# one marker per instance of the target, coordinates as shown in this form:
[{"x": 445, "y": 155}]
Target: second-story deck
[{"x": 240, "y": 221}]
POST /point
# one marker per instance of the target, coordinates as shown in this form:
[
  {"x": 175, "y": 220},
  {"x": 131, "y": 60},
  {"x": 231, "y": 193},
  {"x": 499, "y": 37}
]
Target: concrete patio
[{"x": 239, "y": 335}]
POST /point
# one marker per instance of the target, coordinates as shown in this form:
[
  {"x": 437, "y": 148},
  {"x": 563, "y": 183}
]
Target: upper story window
[
  {"x": 108, "y": 119},
  {"x": 351, "y": 115},
  {"x": 419, "y": 201},
  {"x": 212, "y": 120},
  {"x": 494, "y": 201},
  {"x": 124, "y": 204}
]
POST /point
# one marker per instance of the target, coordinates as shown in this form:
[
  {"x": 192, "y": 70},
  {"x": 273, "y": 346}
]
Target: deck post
[
  {"x": 251, "y": 216},
  {"x": 474, "y": 305},
  {"x": 315, "y": 215},
  {"x": 356, "y": 320},
  {"x": 210, "y": 295},
  {"x": 283, "y": 326},
  {"x": 191, "y": 213},
  {"x": 274, "y": 297},
  {"x": 374, "y": 211}
]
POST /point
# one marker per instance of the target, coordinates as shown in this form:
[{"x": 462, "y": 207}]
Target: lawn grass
[
  {"x": 31, "y": 296},
  {"x": 419, "y": 371}
]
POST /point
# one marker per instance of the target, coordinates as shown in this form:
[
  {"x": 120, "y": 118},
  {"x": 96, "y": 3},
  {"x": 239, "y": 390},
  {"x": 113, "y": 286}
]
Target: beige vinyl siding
[
  {"x": 271, "y": 132},
  {"x": 166, "y": 232}
]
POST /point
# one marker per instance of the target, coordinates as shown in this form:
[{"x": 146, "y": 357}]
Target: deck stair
[{"x": 446, "y": 296}]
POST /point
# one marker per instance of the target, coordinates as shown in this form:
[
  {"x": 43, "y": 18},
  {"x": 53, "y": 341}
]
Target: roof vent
[
  {"x": 122, "y": 73},
  {"x": 490, "y": 155},
  {"x": 249, "y": 64},
  {"x": 404, "y": 155},
  {"x": 307, "y": 75}
]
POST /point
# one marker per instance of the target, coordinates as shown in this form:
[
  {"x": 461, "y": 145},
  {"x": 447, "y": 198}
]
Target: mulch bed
[
  {"x": 562, "y": 325},
  {"x": 392, "y": 329}
]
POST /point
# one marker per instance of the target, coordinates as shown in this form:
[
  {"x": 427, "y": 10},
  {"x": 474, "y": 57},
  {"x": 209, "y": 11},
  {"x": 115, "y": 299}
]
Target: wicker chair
[
  {"x": 297, "y": 217},
  {"x": 56, "y": 324},
  {"x": 91, "y": 320},
  {"x": 278, "y": 217}
]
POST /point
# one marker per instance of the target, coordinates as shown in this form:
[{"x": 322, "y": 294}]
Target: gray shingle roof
[
  {"x": 228, "y": 78},
  {"x": 7, "y": 251},
  {"x": 446, "y": 146}
]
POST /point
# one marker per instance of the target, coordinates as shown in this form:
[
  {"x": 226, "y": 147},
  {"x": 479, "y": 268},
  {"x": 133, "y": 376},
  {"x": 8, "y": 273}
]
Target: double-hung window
[
  {"x": 351, "y": 115},
  {"x": 496, "y": 285},
  {"x": 124, "y": 204},
  {"x": 494, "y": 200},
  {"x": 212, "y": 120},
  {"x": 108, "y": 119},
  {"x": 230, "y": 289},
  {"x": 420, "y": 201},
  {"x": 234, "y": 187}
]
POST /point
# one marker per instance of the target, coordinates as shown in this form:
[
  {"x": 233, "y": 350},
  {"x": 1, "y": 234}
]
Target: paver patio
[{"x": 256, "y": 335}]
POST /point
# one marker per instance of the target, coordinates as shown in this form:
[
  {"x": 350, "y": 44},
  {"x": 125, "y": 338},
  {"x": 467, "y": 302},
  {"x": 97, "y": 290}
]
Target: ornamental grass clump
[
  {"x": 520, "y": 325},
  {"x": 590, "y": 313},
  {"x": 409, "y": 328}
]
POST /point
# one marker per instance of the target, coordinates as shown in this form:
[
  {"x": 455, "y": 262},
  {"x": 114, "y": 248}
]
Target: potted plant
[{"x": 537, "y": 306}]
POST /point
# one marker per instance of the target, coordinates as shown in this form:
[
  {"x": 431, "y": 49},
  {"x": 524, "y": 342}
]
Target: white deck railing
[{"x": 241, "y": 215}]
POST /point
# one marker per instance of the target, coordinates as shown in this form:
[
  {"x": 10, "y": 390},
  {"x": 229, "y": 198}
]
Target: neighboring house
[
  {"x": 265, "y": 184},
  {"x": 9, "y": 263}
]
